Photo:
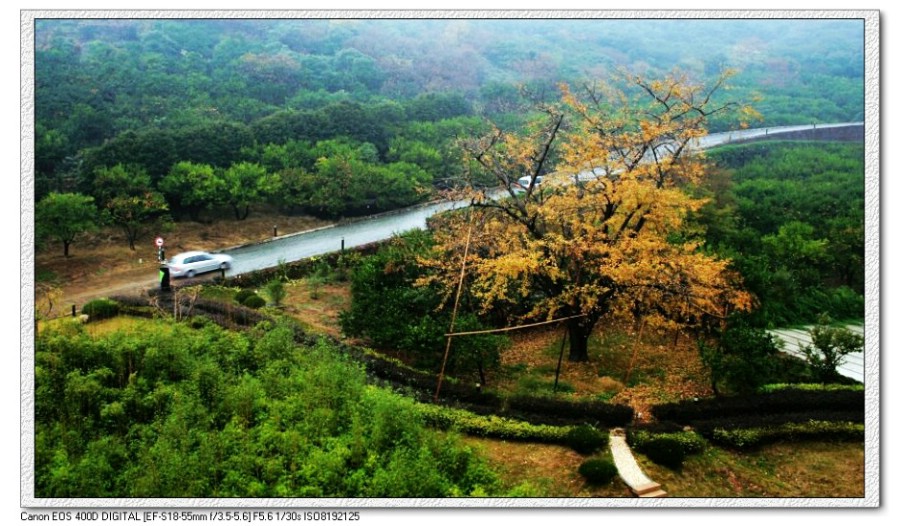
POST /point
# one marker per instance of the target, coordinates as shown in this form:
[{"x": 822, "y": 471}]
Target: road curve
[
  {"x": 381, "y": 227},
  {"x": 286, "y": 249}
]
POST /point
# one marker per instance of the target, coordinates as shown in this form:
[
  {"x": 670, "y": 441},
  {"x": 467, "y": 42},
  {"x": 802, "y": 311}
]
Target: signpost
[{"x": 160, "y": 251}]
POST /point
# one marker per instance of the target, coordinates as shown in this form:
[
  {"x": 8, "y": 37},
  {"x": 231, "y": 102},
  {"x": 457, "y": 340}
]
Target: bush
[
  {"x": 227, "y": 314},
  {"x": 598, "y": 412},
  {"x": 830, "y": 346},
  {"x": 690, "y": 441},
  {"x": 254, "y": 302},
  {"x": 243, "y": 294},
  {"x": 491, "y": 425},
  {"x": 782, "y": 401},
  {"x": 665, "y": 451},
  {"x": 706, "y": 427},
  {"x": 392, "y": 312},
  {"x": 743, "y": 359},
  {"x": 598, "y": 471},
  {"x": 586, "y": 440},
  {"x": 748, "y": 438},
  {"x": 101, "y": 309},
  {"x": 275, "y": 291},
  {"x": 771, "y": 388}
]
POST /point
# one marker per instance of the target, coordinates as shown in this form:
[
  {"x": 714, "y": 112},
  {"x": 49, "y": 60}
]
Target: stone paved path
[{"x": 628, "y": 467}]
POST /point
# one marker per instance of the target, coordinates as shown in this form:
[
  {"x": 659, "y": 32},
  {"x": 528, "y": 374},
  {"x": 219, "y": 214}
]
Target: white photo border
[{"x": 871, "y": 20}]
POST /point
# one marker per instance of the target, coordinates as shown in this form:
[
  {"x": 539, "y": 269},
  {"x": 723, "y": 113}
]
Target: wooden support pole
[
  {"x": 462, "y": 275},
  {"x": 517, "y": 327},
  {"x": 559, "y": 362}
]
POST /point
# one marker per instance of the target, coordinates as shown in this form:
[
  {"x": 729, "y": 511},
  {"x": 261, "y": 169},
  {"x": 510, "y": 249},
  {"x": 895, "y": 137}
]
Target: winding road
[
  {"x": 378, "y": 228},
  {"x": 362, "y": 231}
]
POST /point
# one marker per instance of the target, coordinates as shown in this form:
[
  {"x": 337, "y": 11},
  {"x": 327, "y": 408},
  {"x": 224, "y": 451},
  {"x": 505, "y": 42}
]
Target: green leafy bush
[
  {"x": 665, "y": 451},
  {"x": 771, "y": 388},
  {"x": 586, "y": 439},
  {"x": 594, "y": 411},
  {"x": 743, "y": 359},
  {"x": 776, "y": 419},
  {"x": 773, "y": 403},
  {"x": 748, "y": 438},
  {"x": 491, "y": 425},
  {"x": 275, "y": 291},
  {"x": 830, "y": 346},
  {"x": 391, "y": 311},
  {"x": 101, "y": 309},
  {"x": 243, "y": 294},
  {"x": 690, "y": 441},
  {"x": 598, "y": 471},
  {"x": 254, "y": 302}
]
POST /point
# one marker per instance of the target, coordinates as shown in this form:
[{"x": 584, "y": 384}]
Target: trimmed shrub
[
  {"x": 242, "y": 295},
  {"x": 690, "y": 441},
  {"x": 586, "y": 440},
  {"x": 598, "y": 471},
  {"x": 665, "y": 451},
  {"x": 101, "y": 309},
  {"x": 490, "y": 425},
  {"x": 598, "y": 412},
  {"x": 771, "y": 388},
  {"x": 254, "y": 302},
  {"x": 610, "y": 385},
  {"x": 705, "y": 427},
  {"x": 748, "y": 438},
  {"x": 782, "y": 401}
]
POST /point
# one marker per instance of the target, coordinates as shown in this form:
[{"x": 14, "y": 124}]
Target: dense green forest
[
  {"x": 790, "y": 216},
  {"x": 347, "y": 117}
]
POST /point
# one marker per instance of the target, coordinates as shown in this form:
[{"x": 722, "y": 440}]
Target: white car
[
  {"x": 189, "y": 264},
  {"x": 524, "y": 182}
]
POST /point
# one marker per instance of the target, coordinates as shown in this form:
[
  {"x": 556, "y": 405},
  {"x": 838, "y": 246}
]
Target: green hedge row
[
  {"x": 100, "y": 309},
  {"x": 492, "y": 426},
  {"x": 779, "y": 401},
  {"x": 773, "y": 388},
  {"x": 748, "y": 438},
  {"x": 690, "y": 441},
  {"x": 706, "y": 427}
]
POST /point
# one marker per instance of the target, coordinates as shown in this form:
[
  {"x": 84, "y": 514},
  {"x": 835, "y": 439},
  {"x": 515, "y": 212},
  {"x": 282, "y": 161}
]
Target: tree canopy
[
  {"x": 605, "y": 232},
  {"x": 65, "y": 216}
]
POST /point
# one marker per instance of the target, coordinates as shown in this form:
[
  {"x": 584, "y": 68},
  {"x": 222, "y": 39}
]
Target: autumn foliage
[{"x": 604, "y": 232}]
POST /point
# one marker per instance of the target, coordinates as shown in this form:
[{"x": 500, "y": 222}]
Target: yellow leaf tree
[{"x": 590, "y": 218}]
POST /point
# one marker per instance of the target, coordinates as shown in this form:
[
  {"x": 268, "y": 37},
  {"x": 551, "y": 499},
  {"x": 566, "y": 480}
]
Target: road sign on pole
[{"x": 159, "y": 241}]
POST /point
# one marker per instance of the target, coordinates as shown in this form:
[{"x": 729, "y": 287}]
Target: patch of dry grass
[
  {"x": 317, "y": 307},
  {"x": 553, "y": 470},
  {"x": 621, "y": 368},
  {"x": 795, "y": 470}
]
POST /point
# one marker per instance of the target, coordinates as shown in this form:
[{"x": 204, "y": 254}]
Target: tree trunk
[
  {"x": 579, "y": 331},
  {"x": 481, "y": 372},
  {"x": 131, "y": 235},
  {"x": 65, "y": 248},
  {"x": 237, "y": 211}
]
